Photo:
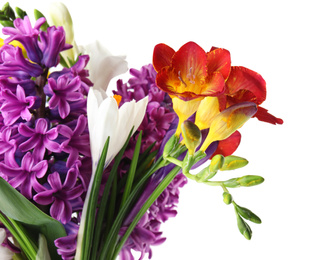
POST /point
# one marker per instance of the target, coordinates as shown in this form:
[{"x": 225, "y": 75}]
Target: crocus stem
[
  {"x": 155, "y": 194},
  {"x": 111, "y": 238}
]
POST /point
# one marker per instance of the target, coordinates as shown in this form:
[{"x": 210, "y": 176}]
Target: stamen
[{"x": 179, "y": 74}]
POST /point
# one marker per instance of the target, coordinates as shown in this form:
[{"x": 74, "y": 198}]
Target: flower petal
[
  {"x": 228, "y": 121},
  {"x": 264, "y": 116},
  {"x": 246, "y": 85},
  {"x": 219, "y": 59},
  {"x": 228, "y": 146},
  {"x": 162, "y": 56}
]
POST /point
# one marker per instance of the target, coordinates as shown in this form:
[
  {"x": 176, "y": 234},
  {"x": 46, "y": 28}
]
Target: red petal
[
  {"x": 190, "y": 62},
  {"x": 228, "y": 146},
  {"x": 162, "y": 56},
  {"x": 264, "y": 116},
  {"x": 246, "y": 85},
  {"x": 219, "y": 60}
]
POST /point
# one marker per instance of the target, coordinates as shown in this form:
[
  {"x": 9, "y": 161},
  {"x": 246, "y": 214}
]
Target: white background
[{"x": 285, "y": 42}]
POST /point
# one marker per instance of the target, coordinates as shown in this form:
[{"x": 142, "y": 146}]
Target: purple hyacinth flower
[
  {"x": 60, "y": 195},
  {"x": 25, "y": 176},
  {"x": 27, "y": 36},
  {"x": 77, "y": 141},
  {"x": 63, "y": 91},
  {"x": 77, "y": 70},
  {"x": 16, "y": 105},
  {"x": 53, "y": 41},
  {"x": 11, "y": 84},
  {"x": 39, "y": 138},
  {"x": 66, "y": 246},
  {"x": 14, "y": 64}
]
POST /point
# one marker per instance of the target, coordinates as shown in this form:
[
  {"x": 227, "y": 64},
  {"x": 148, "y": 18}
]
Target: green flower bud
[
  {"x": 227, "y": 198},
  {"x": 244, "y": 228},
  {"x": 231, "y": 183},
  {"x": 247, "y": 214},
  {"x": 170, "y": 145},
  {"x": 216, "y": 163},
  {"x": 250, "y": 180},
  {"x": 192, "y": 136},
  {"x": 233, "y": 162}
]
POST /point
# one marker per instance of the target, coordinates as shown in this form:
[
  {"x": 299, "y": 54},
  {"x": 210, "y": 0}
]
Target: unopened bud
[
  {"x": 244, "y": 228},
  {"x": 250, "y": 180},
  {"x": 233, "y": 162},
  {"x": 227, "y": 198},
  {"x": 247, "y": 214},
  {"x": 191, "y": 135},
  {"x": 216, "y": 163}
]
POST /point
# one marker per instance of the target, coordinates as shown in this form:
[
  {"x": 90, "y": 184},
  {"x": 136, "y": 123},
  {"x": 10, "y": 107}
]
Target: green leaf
[
  {"x": 132, "y": 170},
  {"x": 7, "y": 23},
  {"x": 154, "y": 195},
  {"x": 38, "y": 15},
  {"x": 16, "y": 206},
  {"x": 87, "y": 239},
  {"x": 104, "y": 200},
  {"x": 20, "y": 13}
]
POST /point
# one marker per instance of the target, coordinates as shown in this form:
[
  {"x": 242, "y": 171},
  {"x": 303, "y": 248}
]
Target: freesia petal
[
  {"x": 228, "y": 121},
  {"x": 228, "y": 146},
  {"x": 246, "y": 85},
  {"x": 219, "y": 59},
  {"x": 162, "y": 56},
  {"x": 190, "y": 64},
  {"x": 264, "y": 116},
  {"x": 208, "y": 109}
]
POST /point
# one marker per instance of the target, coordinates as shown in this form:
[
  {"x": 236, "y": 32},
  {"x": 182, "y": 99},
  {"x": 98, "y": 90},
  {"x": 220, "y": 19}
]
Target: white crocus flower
[
  {"x": 103, "y": 66},
  {"x": 60, "y": 16},
  {"x": 5, "y": 253},
  {"x": 106, "y": 119}
]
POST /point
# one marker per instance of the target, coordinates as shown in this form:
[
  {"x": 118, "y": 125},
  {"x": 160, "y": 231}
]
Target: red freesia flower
[
  {"x": 246, "y": 85},
  {"x": 191, "y": 73}
]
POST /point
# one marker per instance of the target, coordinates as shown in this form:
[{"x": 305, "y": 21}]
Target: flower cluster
[{"x": 43, "y": 125}]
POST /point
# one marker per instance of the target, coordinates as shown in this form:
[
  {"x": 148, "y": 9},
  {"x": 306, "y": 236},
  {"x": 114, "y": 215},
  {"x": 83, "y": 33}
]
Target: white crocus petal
[
  {"x": 59, "y": 16},
  {"x": 103, "y": 66},
  {"x": 5, "y": 253}
]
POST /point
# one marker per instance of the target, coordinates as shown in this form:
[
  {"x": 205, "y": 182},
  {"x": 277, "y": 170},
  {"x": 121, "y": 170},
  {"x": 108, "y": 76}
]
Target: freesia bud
[
  {"x": 244, "y": 228},
  {"x": 227, "y": 198},
  {"x": 233, "y": 162},
  {"x": 228, "y": 121},
  {"x": 191, "y": 135},
  {"x": 250, "y": 180},
  {"x": 216, "y": 163},
  {"x": 247, "y": 214}
]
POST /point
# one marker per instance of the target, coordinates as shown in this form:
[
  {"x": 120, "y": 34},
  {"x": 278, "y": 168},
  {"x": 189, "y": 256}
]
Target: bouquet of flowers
[{"x": 89, "y": 173}]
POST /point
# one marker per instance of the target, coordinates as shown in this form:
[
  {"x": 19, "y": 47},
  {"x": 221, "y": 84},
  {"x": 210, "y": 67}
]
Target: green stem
[
  {"x": 174, "y": 161},
  {"x": 111, "y": 238},
  {"x": 155, "y": 194},
  {"x": 18, "y": 233}
]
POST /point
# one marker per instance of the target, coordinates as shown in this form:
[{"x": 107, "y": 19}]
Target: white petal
[
  {"x": 103, "y": 66},
  {"x": 5, "y": 253}
]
